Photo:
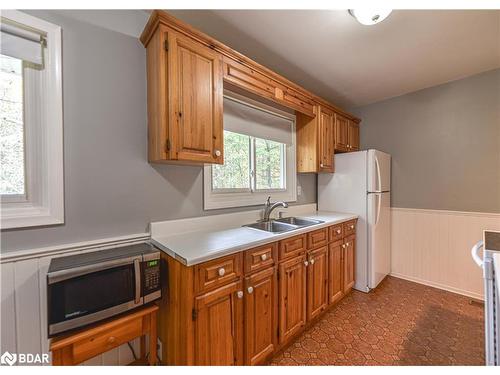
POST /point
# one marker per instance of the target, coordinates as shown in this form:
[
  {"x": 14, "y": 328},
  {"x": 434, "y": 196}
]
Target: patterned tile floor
[{"x": 399, "y": 323}]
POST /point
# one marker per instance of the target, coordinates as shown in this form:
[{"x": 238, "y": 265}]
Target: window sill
[{"x": 30, "y": 216}]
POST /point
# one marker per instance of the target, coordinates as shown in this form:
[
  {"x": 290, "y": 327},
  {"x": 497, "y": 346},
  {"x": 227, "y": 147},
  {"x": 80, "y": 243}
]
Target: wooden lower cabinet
[
  {"x": 317, "y": 282},
  {"x": 259, "y": 302},
  {"x": 218, "y": 318},
  {"x": 292, "y": 297},
  {"x": 349, "y": 250},
  {"x": 260, "y": 315},
  {"x": 335, "y": 272}
]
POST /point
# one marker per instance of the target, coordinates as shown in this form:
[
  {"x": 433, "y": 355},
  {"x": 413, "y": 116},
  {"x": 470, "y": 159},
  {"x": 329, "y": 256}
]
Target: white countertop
[{"x": 200, "y": 246}]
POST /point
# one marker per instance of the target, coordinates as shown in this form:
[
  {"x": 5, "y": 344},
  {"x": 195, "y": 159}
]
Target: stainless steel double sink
[{"x": 285, "y": 224}]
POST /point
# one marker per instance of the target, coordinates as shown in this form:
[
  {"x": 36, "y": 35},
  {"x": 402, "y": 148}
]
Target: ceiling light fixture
[{"x": 370, "y": 16}]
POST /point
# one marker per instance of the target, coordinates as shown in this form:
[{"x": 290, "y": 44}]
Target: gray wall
[
  {"x": 444, "y": 142},
  {"x": 110, "y": 189}
]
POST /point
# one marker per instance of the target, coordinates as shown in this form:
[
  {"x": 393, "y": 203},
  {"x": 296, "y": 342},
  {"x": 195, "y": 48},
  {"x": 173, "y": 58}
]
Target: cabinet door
[
  {"x": 196, "y": 101},
  {"x": 218, "y": 326},
  {"x": 353, "y": 136},
  {"x": 349, "y": 249},
  {"x": 326, "y": 141},
  {"x": 335, "y": 272},
  {"x": 261, "y": 302},
  {"x": 292, "y": 297},
  {"x": 317, "y": 282},
  {"x": 341, "y": 133}
]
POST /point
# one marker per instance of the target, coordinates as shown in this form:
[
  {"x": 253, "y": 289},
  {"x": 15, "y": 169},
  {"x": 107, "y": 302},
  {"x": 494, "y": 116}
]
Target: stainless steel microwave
[{"x": 86, "y": 288}]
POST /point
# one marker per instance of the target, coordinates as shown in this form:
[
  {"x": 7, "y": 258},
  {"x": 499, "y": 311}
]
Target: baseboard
[{"x": 438, "y": 286}]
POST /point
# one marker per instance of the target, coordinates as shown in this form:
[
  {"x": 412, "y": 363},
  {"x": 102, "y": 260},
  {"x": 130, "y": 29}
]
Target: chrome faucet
[{"x": 268, "y": 207}]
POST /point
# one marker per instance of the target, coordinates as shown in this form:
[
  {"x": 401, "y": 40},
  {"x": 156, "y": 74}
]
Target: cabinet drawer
[
  {"x": 292, "y": 246},
  {"x": 217, "y": 272},
  {"x": 317, "y": 238},
  {"x": 349, "y": 228},
  {"x": 249, "y": 79},
  {"x": 336, "y": 233},
  {"x": 106, "y": 340},
  {"x": 261, "y": 257}
]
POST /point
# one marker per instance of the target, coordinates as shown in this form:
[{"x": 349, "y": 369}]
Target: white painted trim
[
  {"x": 448, "y": 212},
  {"x": 100, "y": 244},
  {"x": 439, "y": 286},
  {"x": 47, "y": 207}
]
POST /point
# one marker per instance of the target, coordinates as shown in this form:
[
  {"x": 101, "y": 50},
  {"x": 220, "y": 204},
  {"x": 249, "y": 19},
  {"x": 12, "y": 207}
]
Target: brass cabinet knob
[
  {"x": 221, "y": 271},
  {"x": 263, "y": 257},
  {"x": 312, "y": 261},
  {"x": 338, "y": 231},
  {"x": 250, "y": 290},
  {"x": 239, "y": 294}
]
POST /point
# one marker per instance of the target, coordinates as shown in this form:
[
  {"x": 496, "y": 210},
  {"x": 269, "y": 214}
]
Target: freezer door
[
  {"x": 379, "y": 171},
  {"x": 379, "y": 237}
]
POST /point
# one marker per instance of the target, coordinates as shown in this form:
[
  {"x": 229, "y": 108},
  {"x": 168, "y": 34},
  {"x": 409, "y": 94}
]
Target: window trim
[
  {"x": 224, "y": 199},
  {"x": 45, "y": 178}
]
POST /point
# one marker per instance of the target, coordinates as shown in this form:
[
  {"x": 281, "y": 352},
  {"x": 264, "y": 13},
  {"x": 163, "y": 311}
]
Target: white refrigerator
[{"x": 361, "y": 185}]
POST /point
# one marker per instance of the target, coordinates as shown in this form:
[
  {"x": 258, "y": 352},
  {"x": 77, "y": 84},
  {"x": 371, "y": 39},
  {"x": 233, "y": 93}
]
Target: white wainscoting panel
[
  {"x": 432, "y": 247},
  {"x": 24, "y": 300}
]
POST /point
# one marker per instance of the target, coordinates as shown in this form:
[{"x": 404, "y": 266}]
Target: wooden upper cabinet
[
  {"x": 218, "y": 325},
  {"x": 260, "y": 315},
  {"x": 249, "y": 79},
  {"x": 292, "y": 297},
  {"x": 196, "y": 115},
  {"x": 316, "y": 141},
  {"x": 186, "y": 72},
  {"x": 341, "y": 133},
  {"x": 317, "y": 282},
  {"x": 327, "y": 140},
  {"x": 294, "y": 99},
  {"x": 353, "y": 136},
  {"x": 185, "y": 98}
]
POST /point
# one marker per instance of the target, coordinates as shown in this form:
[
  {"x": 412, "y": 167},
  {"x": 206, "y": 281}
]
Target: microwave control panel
[{"x": 151, "y": 281}]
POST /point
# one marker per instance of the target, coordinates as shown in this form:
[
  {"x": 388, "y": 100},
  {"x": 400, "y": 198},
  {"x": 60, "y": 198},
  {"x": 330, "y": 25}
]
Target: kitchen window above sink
[{"x": 259, "y": 156}]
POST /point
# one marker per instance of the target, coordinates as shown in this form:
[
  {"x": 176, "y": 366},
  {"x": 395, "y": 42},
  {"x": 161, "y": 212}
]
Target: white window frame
[
  {"x": 226, "y": 198},
  {"x": 44, "y": 201}
]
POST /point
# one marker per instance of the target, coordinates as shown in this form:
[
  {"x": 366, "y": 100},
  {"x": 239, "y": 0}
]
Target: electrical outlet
[
  {"x": 299, "y": 190},
  {"x": 159, "y": 349}
]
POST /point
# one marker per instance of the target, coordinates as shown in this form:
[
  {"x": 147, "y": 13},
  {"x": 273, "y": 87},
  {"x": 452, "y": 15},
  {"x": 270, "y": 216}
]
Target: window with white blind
[
  {"x": 259, "y": 156},
  {"x": 31, "y": 154}
]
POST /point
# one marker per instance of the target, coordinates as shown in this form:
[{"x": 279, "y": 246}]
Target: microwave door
[{"x": 83, "y": 296}]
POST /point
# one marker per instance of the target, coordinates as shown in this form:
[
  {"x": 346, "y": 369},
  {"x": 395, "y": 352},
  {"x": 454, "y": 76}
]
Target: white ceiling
[{"x": 332, "y": 55}]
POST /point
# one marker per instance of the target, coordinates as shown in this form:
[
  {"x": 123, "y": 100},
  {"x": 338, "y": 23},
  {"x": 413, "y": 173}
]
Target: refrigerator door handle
[
  {"x": 379, "y": 203},
  {"x": 378, "y": 186},
  {"x": 475, "y": 253}
]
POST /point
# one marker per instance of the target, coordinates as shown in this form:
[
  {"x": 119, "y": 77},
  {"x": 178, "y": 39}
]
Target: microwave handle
[{"x": 137, "y": 272}]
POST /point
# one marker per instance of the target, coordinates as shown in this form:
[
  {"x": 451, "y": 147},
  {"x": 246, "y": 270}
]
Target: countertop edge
[{"x": 252, "y": 244}]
